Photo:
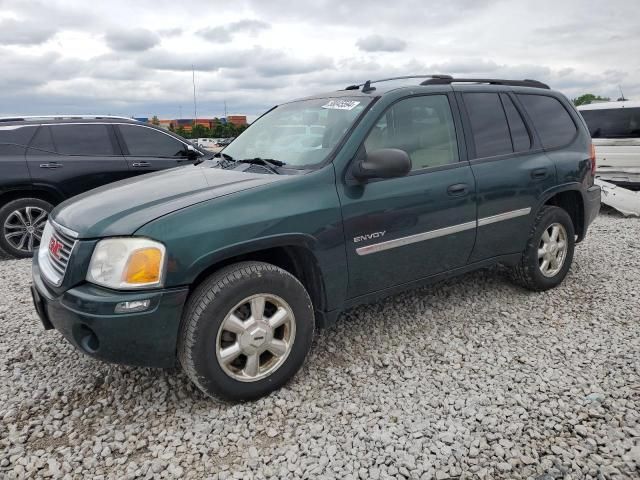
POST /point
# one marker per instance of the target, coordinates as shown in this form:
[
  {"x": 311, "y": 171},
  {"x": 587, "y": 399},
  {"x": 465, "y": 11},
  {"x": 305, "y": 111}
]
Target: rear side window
[
  {"x": 519, "y": 134},
  {"x": 551, "y": 120},
  {"x": 488, "y": 124},
  {"x": 13, "y": 140},
  {"x": 11, "y": 135},
  {"x": 147, "y": 142},
  {"x": 91, "y": 139},
  {"x": 613, "y": 123},
  {"x": 421, "y": 126}
]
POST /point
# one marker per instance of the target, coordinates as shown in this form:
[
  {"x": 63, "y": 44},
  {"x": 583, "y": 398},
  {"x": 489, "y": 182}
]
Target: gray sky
[{"x": 134, "y": 57}]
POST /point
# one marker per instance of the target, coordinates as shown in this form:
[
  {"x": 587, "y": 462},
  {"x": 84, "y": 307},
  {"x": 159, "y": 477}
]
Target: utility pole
[
  {"x": 621, "y": 94},
  {"x": 195, "y": 110},
  {"x": 225, "y": 109}
]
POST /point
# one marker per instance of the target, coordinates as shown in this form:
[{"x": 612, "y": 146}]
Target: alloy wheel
[
  {"x": 23, "y": 228},
  {"x": 255, "y": 337},
  {"x": 552, "y": 249}
]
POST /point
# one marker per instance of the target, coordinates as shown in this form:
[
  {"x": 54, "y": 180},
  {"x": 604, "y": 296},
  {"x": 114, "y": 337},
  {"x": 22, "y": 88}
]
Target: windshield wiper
[
  {"x": 221, "y": 155},
  {"x": 270, "y": 163}
]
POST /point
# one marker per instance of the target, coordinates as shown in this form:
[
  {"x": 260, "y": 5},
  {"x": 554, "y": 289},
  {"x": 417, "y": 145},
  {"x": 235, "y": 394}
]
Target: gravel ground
[{"x": 472, "y": 378}]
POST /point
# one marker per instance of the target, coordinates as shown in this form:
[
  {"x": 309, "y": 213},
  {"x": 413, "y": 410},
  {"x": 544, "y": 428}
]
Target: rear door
[
  {"x": 75, "y": 157},
  {"x": 148, "y": 149},
  {"x": 510, "y": 167}
]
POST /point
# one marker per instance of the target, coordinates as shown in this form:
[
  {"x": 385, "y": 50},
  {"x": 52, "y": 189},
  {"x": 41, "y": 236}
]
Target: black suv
[{"x": 45, "y": 160}]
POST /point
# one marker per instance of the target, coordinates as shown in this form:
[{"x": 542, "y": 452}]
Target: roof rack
[
  {"x": 491, "y": 81},
  {"x": 29, "y": 118},
  {"x": 448, "y": 79},
  {"x": 367, "y": 84}
]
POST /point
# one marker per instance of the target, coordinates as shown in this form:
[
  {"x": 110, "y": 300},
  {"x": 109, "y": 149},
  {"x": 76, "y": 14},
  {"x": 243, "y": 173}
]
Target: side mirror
[
  {"x": 383, "y": 163},
  {"x": 192, "y": 153}
]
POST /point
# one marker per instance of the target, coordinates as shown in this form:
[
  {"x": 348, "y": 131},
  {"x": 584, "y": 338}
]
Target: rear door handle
[
  {"x": 539, "y": 173},
  {"x": 140, "y": 164},
  {"x": 458, "y": 189},
  {"x": 51, "y": 165}
]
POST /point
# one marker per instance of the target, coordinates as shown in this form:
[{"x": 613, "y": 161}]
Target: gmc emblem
[{"x": 54, "y": 247}]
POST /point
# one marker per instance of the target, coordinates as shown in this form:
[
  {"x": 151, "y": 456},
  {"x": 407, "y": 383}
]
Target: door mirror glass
[
  {"x": 192, "y": 153},
  {"x": 383, "y": 163}
]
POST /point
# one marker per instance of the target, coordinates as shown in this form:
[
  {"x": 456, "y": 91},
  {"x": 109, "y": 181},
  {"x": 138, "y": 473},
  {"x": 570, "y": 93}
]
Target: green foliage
[
  {"x": 219, "y": 130},
  {"x": 199, "y": 131},
  {"x": 588, "y": 98}
]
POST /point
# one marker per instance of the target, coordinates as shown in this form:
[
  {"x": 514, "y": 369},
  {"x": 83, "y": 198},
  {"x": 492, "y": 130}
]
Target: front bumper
[{"x": 85, "y": 317}]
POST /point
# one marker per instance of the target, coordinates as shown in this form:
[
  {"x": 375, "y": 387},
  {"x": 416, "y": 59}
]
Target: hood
[{"x": 123, "y": 207}]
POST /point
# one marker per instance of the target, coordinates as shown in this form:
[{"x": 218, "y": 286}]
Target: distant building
[
  {"x": 237, "y": 120},
  {"x": 187, "y": 123}
]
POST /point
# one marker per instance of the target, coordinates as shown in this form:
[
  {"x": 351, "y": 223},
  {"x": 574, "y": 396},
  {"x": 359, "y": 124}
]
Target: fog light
[{"x": 132, "y": 306}]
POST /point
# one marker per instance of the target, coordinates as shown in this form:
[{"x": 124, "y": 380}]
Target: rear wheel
[
  {"x": 246, "y": 331},
  {"x": 22, "y": 222},
  {"x": 549, "y": 252}
]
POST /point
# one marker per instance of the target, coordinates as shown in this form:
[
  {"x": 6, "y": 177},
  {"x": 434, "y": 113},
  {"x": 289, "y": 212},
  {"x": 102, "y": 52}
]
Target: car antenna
[{"x": 367, "y": 87}]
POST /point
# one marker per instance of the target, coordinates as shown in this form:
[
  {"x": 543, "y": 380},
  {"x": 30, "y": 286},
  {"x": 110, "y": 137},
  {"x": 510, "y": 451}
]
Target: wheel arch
[
  {"x": 571, "y": 199},
  {"x": 43, "y": 193},
  {"x": 292, "y": 253}
]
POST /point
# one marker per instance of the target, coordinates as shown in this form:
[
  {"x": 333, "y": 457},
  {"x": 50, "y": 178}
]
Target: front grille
[
  {"x": 60, "y": 264},
  {"x": 53, "y": 266}
]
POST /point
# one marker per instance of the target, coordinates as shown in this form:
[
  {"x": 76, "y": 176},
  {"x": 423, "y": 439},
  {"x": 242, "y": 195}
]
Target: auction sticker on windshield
[{"x": 341, "y": 104}]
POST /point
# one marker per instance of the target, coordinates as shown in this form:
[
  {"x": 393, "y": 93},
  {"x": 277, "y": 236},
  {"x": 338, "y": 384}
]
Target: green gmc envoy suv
[{"x": 227, "y": 266}]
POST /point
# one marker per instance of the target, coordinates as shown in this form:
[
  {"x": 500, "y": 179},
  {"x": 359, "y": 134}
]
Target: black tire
[
  {"x": 6, "y": 247},
  {"x": 528, "y": 272},
  {"x": 208, "y": 306}
]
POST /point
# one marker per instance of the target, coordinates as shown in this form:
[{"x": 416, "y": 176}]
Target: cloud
[
  {"x": 378, "y": 43},
  {"x": 25, "y": 32},
  {"x": 132, "y": 40},
  {"x": 225, "y": 34}
]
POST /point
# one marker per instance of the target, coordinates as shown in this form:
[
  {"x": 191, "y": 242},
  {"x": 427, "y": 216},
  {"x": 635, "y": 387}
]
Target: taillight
[{"x": 593, "y": 160}]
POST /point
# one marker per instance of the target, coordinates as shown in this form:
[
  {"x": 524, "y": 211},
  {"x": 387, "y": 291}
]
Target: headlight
[{"x": 127, "y": 263}]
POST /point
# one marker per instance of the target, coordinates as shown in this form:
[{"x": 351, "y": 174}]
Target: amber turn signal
[{"x": 144, "y": 266}]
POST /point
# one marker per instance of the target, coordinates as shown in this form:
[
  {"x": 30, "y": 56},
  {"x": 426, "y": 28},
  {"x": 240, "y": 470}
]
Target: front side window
[
  {"x": 421, "y": 126},
  {"x": 147, "y": 142},
  {"x": 488, "y": 124},
  {"x": 299, "y": 134},
  {"x": 613, "y": 123},
  {"x": 551, "y": 120},
  {"x": 79, "y": 139}
]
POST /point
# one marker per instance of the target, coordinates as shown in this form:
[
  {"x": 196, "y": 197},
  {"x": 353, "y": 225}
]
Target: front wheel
[
  {"x": 549, "y": 252},
  {"x": 21, "y": 224},
  {"x": 246, "y": 331}
]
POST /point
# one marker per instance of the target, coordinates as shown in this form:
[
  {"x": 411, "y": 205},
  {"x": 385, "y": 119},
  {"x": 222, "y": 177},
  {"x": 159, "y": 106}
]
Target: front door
[
  {"x": 148, "y": 149},
  {"x": 403, "y": 229}
]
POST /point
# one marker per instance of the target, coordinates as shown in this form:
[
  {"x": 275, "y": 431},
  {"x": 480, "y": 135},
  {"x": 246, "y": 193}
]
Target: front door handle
[
  {"x": 140, "y": 164},
  {"x": 51, "y": 165},
  {"x": 539, "y": 173},
  {"x": 458, "y": 189}
]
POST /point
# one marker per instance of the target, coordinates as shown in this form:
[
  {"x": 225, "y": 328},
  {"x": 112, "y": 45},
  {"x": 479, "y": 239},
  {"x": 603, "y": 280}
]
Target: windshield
[{"x": 299, "y": 133}]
